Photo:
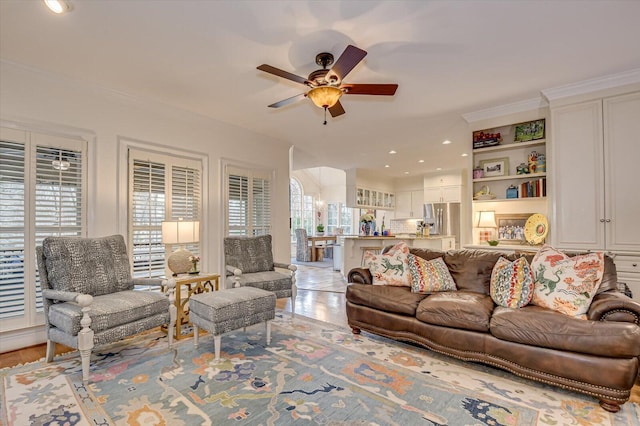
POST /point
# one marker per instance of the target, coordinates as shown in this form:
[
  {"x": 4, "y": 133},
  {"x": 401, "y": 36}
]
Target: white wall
[{"x": 104, "y": 117}]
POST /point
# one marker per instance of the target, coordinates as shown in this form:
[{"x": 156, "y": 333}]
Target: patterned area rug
[{"x": 312, "y": 373}]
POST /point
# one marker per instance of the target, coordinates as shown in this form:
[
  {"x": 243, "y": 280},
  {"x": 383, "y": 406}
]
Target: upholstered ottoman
[{"x": 222, "y": 311}]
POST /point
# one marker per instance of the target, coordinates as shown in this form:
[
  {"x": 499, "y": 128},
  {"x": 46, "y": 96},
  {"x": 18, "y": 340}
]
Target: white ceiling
[{"x": 448, "y": 57}]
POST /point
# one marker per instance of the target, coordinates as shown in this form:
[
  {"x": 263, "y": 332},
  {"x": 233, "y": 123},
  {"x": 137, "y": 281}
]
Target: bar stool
[{"x": 372, "y": 249}]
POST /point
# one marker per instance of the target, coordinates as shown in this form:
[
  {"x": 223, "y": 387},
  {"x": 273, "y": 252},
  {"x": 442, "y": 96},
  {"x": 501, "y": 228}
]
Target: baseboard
[{"x": 23, "y": 338}]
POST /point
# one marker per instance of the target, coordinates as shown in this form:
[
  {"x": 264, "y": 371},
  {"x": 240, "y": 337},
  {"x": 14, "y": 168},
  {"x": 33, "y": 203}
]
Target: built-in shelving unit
[{"x": 511, "y": 154}]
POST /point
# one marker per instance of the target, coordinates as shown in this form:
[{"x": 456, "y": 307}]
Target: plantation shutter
[
  {"x": 248, "y": 202},
  {"x": 147, "y": 213},
  {"x": 12, "y": 229},
  {"x": 162, "y": 187},
  {"x": 185, "y": 198},
  {"x": 261, "y": 208},
  {"x": 42, "y": 193}
]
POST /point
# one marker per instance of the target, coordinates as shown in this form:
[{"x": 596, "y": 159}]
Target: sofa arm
[
  {"x": 360, "y": 276},
  {"x": 614, "y": 306}
]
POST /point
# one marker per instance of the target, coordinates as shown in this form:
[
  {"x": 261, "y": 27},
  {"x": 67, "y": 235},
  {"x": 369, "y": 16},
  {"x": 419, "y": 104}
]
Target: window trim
[
  {"x": 34, "y": 136},
  {"x": 225, "y": 165},
  {"x": 124, "y": 145}
]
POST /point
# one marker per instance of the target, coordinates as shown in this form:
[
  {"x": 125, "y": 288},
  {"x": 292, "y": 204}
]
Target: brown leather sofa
[{"x": 597, "y": 357}]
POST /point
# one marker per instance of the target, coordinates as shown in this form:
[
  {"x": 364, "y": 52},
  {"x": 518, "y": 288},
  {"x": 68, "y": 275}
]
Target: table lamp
[
  {"x": 180, "y": 232},
  {"x": 486, "y": 219}
]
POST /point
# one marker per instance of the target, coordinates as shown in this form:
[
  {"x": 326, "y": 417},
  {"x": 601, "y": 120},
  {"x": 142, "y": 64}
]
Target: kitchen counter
[{"x": 353, "y": 244}]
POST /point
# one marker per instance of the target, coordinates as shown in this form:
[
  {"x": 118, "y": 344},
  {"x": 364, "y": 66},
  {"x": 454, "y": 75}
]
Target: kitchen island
[{"x": 352, "y": 250}]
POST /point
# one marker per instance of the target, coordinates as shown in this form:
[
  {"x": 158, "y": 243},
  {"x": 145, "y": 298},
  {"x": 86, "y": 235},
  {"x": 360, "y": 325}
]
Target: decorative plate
[{"x": 536, "y": 228}]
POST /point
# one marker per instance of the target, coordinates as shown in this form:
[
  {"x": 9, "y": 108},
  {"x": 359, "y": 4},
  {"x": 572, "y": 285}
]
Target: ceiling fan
[{"x": 326, "y": 85}]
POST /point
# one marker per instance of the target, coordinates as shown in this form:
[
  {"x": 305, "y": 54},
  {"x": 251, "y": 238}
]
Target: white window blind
[
  {"x": 248, "y": 202},
  {"x": 162, "y": 187},
  {"x": 42, "y": 193}
]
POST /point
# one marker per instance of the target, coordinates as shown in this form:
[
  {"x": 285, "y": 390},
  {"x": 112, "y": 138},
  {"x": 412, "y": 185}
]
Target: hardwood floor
[{"x": 326, "y": 304}]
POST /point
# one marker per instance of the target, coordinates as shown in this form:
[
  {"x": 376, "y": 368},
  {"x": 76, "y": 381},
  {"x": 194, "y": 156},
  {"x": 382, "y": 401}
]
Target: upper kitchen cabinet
[
  {"x": 409, "y": 204},
  {"x": 367, "y": 191},
  {"x": 595, "y": 151},
  {"x": 443, "y": 188}
]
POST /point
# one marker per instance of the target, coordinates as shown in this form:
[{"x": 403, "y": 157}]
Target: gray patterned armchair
[
  {"x": 89, "y": 297},
  {"x": 249, "y": 262}
]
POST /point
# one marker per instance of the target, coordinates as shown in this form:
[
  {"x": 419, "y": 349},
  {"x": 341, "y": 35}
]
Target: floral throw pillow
[
  {"x": 566, "y": 284},
  {"x": 389, "y": 268},
  {"x": 429, "y": 276},
  {"x": 512, "y": 283}
]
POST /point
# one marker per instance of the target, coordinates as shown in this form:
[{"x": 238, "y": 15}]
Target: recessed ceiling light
[
  {"x": 447, "y": 142},
  {"x": 438, "y": 168},
  {"x": 465, "y": 155},
  {"x": 58, "y": 6},
  {"x": 392, "y": 152},
  {"x": 387, "y": 166},
  {"x": 420, "y": 161},
  {"x": 406, "y": 173}
]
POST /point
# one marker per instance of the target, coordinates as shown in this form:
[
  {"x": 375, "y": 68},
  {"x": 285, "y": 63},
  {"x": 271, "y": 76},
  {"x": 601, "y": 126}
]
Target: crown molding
[
  {"x": 502, "y": 110},
  {"x": 592, "y": 85}
]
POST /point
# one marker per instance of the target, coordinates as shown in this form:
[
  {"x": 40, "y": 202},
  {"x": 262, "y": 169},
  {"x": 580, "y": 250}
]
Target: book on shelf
[{"x": 533, "y": 188}]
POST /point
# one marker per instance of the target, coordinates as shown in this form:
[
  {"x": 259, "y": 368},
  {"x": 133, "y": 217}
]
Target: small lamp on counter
[
  {"x": 180, "y": 232},
  {"x": 486, "y": 220}
]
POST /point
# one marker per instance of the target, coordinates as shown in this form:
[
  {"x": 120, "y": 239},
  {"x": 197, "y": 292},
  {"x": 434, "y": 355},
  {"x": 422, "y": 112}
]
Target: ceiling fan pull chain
[{"x": 325, "y": 116}]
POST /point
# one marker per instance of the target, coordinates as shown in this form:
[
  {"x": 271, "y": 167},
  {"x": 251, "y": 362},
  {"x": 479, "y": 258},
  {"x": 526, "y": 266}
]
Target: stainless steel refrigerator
[{"x": 443, "y": 219}]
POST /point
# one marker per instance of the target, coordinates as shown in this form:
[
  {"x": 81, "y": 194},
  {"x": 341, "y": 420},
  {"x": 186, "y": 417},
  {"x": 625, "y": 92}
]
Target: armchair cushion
[
  {"x": 93, "y": 266},
  {"x": 249, "y": 254},
  {"x": 274, "y": 281},
  {"x": 109, "y": 311}
]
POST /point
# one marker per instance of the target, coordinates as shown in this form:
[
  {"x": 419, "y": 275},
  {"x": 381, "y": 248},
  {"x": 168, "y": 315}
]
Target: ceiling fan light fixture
[
  {"x": 325, "y": 96},
  {"x": 58, "y": 6}
]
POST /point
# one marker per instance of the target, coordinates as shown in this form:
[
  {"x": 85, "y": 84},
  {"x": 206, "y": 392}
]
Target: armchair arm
[
  {"x": 614, "y": 306},
  {"x": 149, "y": 281},
  {"x": 360, "y": 276},
  {"x": 60, "y": 295},
  {"x": 288, "y": 266},
  {"x": 232, "y": 270}
]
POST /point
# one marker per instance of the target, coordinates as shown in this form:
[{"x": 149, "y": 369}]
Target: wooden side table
[{"x": 194, "y": 284}]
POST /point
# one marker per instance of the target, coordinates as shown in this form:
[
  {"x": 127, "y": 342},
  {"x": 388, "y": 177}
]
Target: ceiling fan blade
[
  {"x": 346, "y": 62},
  {"x": 336, "y": 110},
  {"x": 284, "y": 74},
  {"x": 288, "y": 100},
  {"x": 370, "y": 89}
]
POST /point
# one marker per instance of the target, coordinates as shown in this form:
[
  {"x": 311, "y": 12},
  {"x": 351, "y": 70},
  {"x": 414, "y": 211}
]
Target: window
[
  {"x": 301, "y": 209},
  {"x": 42, "y": 193},
  {"x": 339, "y": 216},
  {"x": 162, "y": 187},
  {"x": 248, "y": 201}
]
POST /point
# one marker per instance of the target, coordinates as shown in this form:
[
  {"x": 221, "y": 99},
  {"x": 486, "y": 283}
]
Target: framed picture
[
  {"x": 511, "y": 228},
  {"x": 495, "y": 167},
  {"x": 530, "y": 131}
]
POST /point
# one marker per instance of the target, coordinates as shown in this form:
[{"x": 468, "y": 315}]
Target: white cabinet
[
  {"x": 445, "y": 188},
  {"x": 628, "y": 268},
  {"x": 596, "y": 152},
  {"x": 359, "y": 197},
  {"x": 409, "y": 204}
]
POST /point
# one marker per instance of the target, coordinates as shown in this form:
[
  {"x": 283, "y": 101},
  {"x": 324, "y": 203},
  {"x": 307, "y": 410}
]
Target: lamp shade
[
  {"x": 325, "y": 96},
  {"x": 486, "y": 219},
  {"x": 180, "y": 232}
]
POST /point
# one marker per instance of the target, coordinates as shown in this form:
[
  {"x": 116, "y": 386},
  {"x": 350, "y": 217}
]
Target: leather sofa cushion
[
  {"x": 458, "y": 309},
  {"x": 399, "y": 300},
  {"x": 537, "y": 326},
  {"x": 471, "y": 269}
]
